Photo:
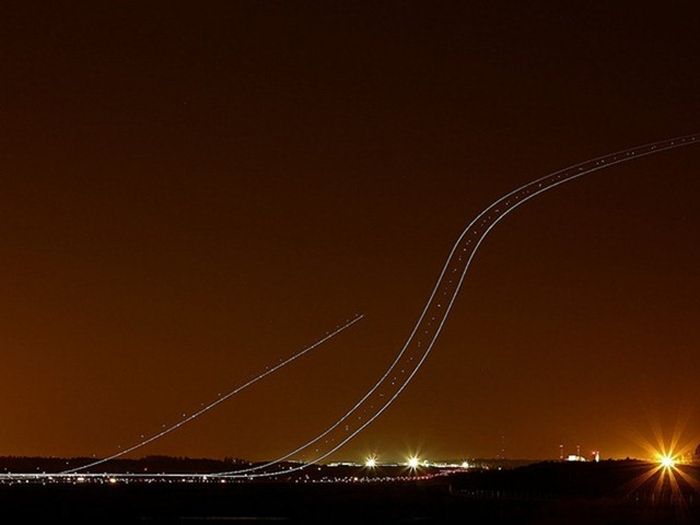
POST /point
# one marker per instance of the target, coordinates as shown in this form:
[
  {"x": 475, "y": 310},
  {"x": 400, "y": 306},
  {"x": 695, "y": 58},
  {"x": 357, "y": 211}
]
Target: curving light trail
[
  {"x": 219, "y": 400},
  {"x": 434, "y": 315}
]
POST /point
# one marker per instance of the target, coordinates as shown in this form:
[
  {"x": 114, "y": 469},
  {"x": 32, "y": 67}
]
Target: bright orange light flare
[{"x": 667, "y": 461}]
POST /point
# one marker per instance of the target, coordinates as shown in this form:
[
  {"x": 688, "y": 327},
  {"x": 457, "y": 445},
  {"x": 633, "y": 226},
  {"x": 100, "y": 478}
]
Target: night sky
[{"x": 191, "y": 192}]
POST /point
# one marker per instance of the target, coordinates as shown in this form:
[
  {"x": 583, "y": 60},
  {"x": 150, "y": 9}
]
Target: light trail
[
  {"x": 430, "y": 323},
  {"x": 434, "y": 315},
  {"x": 219, "y": 400}
]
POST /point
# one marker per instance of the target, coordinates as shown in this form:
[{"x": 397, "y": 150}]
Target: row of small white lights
[{"x": 412, "y": 462}]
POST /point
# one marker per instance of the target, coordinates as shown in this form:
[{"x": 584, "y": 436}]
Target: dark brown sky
[{"x": 191, "y": 193}]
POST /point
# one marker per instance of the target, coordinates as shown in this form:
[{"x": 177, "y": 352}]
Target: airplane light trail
[
  {"x": 426, "y": 329},
  {"x": 434, "y": 315},
  {"x": 219, "y": 400}
]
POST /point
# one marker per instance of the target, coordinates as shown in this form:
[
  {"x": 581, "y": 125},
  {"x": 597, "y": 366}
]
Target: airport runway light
[{"x": 667, "y": 461}]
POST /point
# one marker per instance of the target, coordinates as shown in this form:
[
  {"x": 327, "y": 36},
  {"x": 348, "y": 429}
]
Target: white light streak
[
  {"x": 219, "y": 400},
  {"x": 495, "y": 212},
  {"x": 460, "y": 258}
]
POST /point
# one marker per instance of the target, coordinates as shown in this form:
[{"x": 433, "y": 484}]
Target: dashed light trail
[
  {"x": 219, "y": 400},
  {"x": 425, "y": 332},
  {"x": 434, "y": 315}
]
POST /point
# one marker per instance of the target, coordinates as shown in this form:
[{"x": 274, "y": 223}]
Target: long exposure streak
[
  {"x": 430, "y": 323},
  {"x": 424, "y": 334},
  {"x": 219, "y": 400}
]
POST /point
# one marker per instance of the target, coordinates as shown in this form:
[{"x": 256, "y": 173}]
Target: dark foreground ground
[{"x": 550, "y": 493}]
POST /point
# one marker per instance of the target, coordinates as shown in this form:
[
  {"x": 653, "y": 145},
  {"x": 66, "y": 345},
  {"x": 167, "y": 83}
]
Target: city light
[
  {"x": 371, "y": 462},
  {"x": 414, "y": 462}
]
